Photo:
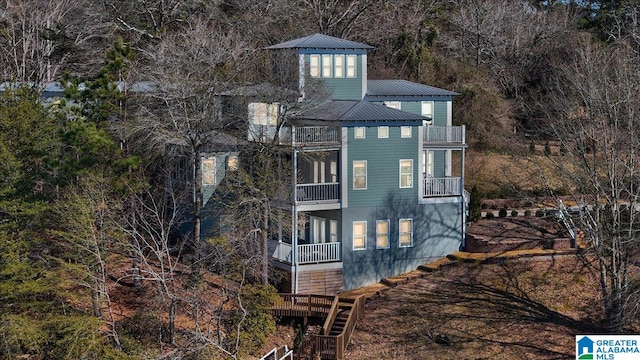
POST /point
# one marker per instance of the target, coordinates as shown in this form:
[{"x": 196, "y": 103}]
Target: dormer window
[
  {"x": 427, "y": 110},
  {"x": 314, "y": 65},
  {"x": 351, "y": 66},
  {"x": 338, "y": 66},
  {"x": 326, "y": 65}
]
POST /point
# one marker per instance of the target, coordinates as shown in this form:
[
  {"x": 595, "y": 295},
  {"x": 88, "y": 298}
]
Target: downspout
[{"x": 294, "y": 227}]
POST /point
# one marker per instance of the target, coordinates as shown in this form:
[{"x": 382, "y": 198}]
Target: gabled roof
[
  {"x": 320, "y": 41},
  {"x": 403, "y": 88},
  {"x": 349, "y": 112}
]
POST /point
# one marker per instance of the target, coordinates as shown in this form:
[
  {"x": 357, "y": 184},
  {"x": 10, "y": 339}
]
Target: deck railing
[
  {"x": 309, "y": 253},
  {"x": 334, "y": 346},
  {"x": 318, "y": 192},
  {"x": 302, "y": 305},
  {"x": 446, "y": 186},
  {"x": 309, "y": 135},
  {"x": 444, "y": 134}
]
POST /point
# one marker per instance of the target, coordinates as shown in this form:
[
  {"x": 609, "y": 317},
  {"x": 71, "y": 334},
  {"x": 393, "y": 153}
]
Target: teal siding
[
  {"x": 437, "y": 232},
  {"x": 383, "y": 165},
  {"x": 342, "y": 88},
  {"x": 440, "y": 113}
]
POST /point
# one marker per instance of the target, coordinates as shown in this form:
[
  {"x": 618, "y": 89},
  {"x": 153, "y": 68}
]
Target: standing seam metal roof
[
  {"x": 353, "y": 110},
  {"x": 382, "y": 88},
  {"x": 320, "y": 41}
]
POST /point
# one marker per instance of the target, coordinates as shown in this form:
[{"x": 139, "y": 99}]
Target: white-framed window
[
  {"x": 314, "y": 65},
  {"x": 232, "y": 162},
  {"x": 338, "y": 66},
  {"x": 427, "y": 110},
  {"x": 209, "y": 171},
  {"x": 333, "y": 169},
  {"x": 359, "y": 132},
  {"x": 360, "y": 175},
  {"x": 406, "y": 173},
  {"x": 333, "y": 230},
  {"x": 382, "y": 234},
  {"x": 326, "y": 65},
  {"x": 383, "y": 132},
  {"x": 359, "y": 235},
  {"x": 351, "y": 66},
  {"x": 428, "y": 163},
  {"x": 405, "y": 131},
  {"x": 392, "y": 104},
  {"x": 406, "y": 233}
]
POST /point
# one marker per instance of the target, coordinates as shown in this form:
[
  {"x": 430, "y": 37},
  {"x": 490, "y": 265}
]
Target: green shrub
[
  {"x": 502, "y": 213},
  {"x": 547, "y": 148},
  {"x": 527, "y": 212},
  {"x": 539, "y": 213},
  {"x": 514, "y": 213},
  {"x": 484, "y": 206},
  {"x": 475, "y": 208},
  {"x": 489, "y": 215}
]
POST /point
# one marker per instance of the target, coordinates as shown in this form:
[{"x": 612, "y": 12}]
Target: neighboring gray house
[{"x": 380, "y": 171}]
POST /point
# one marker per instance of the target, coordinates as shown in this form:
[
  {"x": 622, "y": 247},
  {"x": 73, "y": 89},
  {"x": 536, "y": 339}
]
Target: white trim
[
  {"x": 400, "y": 174},
  {"x": 400, "y": 233},
  {"x": 353, "y": 169},
  {"x": 326, "y": 69},
  {"x": 337, "y": 74},
  {"x": 359, "y": 128},
  {"x": 353, "y": 236},
  {"x": 404, "y": 136},
  {"x": 383, "y": 132},
  {"x": 317, "y": 68},
  {"x": 351, "y": 67}
]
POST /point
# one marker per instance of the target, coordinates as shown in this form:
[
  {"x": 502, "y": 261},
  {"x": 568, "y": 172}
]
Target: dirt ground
[{"x": 522, "y": 309}]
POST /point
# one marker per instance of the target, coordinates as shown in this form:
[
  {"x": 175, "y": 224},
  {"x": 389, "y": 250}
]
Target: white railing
[
  {"x": 317, "y": 135},
  {"x": 317, "y": 253},
  {"x": 283, "y": 252},
  {"x": 444, "y": 134},
  {"x": 318, "y": 192},
  {"x": 282, "y": 353},
  {"x": 447, "y": 186},
  {"x": 309, "y": 253}
]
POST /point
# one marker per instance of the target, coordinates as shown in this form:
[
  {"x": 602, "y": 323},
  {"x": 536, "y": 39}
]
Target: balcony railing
[
  {"x": 327, "y": 192},
  {"x": 447, "y": 186},
  {"x": 444, "y": 134},
  {"x": 309, "y": 253},
  {"x": 317, "y": 135}
]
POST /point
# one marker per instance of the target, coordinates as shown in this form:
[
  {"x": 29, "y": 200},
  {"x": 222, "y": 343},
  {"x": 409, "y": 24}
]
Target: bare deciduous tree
[{"x": 600, "y": 132}]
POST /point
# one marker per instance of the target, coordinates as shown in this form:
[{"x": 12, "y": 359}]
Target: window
[
  {"x": 338, "y": 66},
  {"x": 351, "y": 66},
  {"x": 382, "y": 234},
  {"x": 263, "y": 113},
  {"x": 360, "y": 175},
  {"x": 405, "y": 131},
  {"x": 333, "y": 230},
  {"x": 326, "y": 66},
  {"x": 406, "y": 173},
  {"x": 392, "y": 104},
  {"x": 232, "y": 162},
  {"x": 209, "y": 171},
  {"x": 383, "y": 132},
  {"x": 359, "y": 132},
  {"x": 314, "y": 65},
  {"x": 359, "y": 235},
  {"x": 334, "y": 171},
  {"x": 406, "y": 232},
  {"x": 427, "y": 110}
]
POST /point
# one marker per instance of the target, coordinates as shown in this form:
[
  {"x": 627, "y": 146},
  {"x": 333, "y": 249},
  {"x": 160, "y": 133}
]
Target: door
[{"x": 318, "y": 230}]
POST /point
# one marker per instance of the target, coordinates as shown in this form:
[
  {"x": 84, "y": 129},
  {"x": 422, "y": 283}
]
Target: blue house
[{"x": 379, "y": 185}]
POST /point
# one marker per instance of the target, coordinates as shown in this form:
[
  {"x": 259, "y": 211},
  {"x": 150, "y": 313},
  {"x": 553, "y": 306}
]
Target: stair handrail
[{"x": 331, "y": 316}]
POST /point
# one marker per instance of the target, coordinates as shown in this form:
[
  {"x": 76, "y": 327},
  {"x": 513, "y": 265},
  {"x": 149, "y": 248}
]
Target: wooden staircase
[{"x": 341, "y": 318}]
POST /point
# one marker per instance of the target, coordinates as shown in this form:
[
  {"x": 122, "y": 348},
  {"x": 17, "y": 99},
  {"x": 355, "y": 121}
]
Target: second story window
[
  {"x": 405, "y": 131},
  {"x": 427, "y": 110},
  {"x": 406, "y": 173},
  {"x": 314, "y": 65},
  {"x": 326, "y": 66},
  {"x": 383, "y": 132},
  {"x": 359, "y": 132},
  {"x": 338, "y": 66},
  {"x": 360, "y": 175},
  {"x": 209, "y": 171},
  {"x": 351, "y": 66}
]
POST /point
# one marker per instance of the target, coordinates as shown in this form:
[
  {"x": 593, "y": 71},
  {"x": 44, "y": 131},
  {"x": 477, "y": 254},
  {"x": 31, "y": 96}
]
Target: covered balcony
[
  {"x": 444, "y": 135},
  {"x": 310, "y": 136},
  {"x": 308, "y": 253},
  {"x": 318, "y": 193},
  {"x": 440, "y": 187}
]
